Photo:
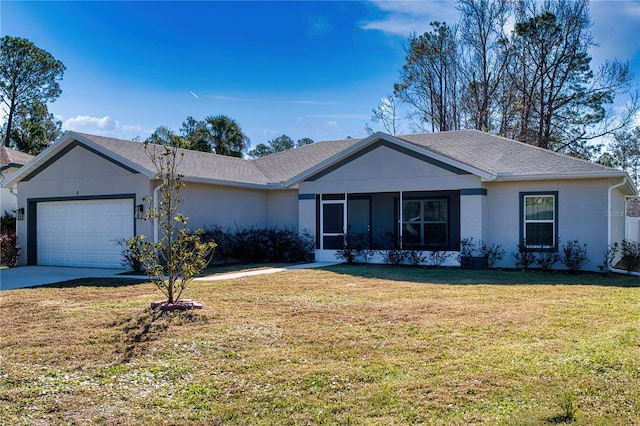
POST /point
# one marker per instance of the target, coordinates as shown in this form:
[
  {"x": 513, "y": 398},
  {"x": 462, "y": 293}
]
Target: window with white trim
[{"x": 539, "y": 221}]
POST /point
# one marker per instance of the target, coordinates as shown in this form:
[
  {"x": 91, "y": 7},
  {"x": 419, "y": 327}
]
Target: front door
[
  {"x": 332, "y": 224},
  {"x": 359, "y": 219}
]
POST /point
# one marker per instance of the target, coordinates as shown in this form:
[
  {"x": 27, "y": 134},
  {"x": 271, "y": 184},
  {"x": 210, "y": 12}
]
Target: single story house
[
  {"x": 419, "y": 192},
  {"x": 10, "y": 161}
]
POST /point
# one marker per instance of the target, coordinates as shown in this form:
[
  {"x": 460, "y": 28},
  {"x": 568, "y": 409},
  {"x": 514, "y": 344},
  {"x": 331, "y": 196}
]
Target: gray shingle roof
[
  {"x": 195, "y": 164},
  {"x": 501, "y": 156},
  {"x": 494, "y": 155},
  {"x": 286, "y": 165}
]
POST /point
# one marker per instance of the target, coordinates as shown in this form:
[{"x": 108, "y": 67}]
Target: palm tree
[{"x": 226, "y": 136}]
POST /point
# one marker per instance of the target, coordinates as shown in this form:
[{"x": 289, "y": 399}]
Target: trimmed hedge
[{"x": 258, "y": 245}]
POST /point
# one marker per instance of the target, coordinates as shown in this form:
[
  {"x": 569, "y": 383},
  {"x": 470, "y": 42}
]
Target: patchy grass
[{"x": 346, "y": 345}]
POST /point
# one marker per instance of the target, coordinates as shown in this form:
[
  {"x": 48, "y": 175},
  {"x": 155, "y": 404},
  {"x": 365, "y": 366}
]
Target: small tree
[{"x": 173, "y": 261}]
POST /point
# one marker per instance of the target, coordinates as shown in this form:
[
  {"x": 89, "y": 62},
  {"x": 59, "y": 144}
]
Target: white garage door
[{"x": 83, "y": 232}]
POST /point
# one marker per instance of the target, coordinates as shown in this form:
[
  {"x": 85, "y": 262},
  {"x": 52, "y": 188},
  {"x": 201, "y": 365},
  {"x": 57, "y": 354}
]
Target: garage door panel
[{"x": 83, "y": 232}]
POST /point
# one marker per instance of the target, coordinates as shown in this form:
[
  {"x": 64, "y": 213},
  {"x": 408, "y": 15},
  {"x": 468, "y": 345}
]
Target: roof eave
[
  {"x": 223, "y": 182},
  {"x": 507, "y": 176},
  {"x": 613, "y": 174}
]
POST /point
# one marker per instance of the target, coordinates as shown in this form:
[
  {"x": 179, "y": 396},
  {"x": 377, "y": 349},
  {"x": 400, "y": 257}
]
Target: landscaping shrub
[
  {"x": 609, "y": 257},
  {"x": 630, "y": 251},
  {"x": 258, "y": 245},
  {"x": 438, "y": 258},
  {"x": 415, "y": 257},
  {"x": 394, "y": 257},
  {"x": 524, "y": 258},
  {"x": 546, "y": 260},
  {"x": 467, "y": 248},
  {"x": 491, "y": 253},
  {"x": 355, "y": 246},
  {"x": 224, "y": 239},
  {"x": 131, "y": 253},
  {"x": 9, "y": 249},
  {"x": 8, "y": 223},
  {"x": 573, "y": 255}
]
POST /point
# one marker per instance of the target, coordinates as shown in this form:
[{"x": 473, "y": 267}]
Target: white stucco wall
[
  {"x": 387, "y": 170},
  {"x": 79, "y": 173},
  {"x": 8, "y": 198},
  {"x": 207, "y": 205},
  {"x": 583, "y": 215},
  {"x": 472, "y": 216},
  {"x": 307, "y": 216},
  {"x": 282, "y": 208}
]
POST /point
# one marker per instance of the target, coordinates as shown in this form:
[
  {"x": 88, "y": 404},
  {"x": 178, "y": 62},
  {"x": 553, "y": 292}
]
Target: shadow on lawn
[
  {"x": 457, "y": 276},
  {"x": 149, "y": 325},
  {"x": 91, "y": 282}
]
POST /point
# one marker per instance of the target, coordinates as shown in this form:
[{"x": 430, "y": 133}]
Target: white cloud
[
  {"x": 104, "y": 126},
  {"x": 333, "y": 125},
  {"x": 230, "y": 98},
  {"x": 310, "y": 102},
  {"x": 85, "y": 122},
  {"x": 341, "y": 116},
  {"x": 406, "y": 17}
]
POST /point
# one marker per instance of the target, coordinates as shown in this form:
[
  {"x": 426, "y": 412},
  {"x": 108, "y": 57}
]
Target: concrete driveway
[{"x": 29, "y": 276}]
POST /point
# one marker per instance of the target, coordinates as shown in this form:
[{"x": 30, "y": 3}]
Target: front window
[
  {"x": 425, "y": 222},
  {"x": 539, "y": 220}
]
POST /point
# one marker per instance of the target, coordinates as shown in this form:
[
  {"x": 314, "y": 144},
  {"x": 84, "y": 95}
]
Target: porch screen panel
[
  {"x": 333, "y": 225},
  {"x": 333, "y": 218},
  {"x": 411, "y": 223},
  {"x": 435, "y": 222},
  {"x": 425, "y": 222}
]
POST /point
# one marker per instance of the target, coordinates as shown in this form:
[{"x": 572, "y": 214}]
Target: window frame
[
  {"x": 422, "y": 222},
  {"x": 524, "y": 221}
]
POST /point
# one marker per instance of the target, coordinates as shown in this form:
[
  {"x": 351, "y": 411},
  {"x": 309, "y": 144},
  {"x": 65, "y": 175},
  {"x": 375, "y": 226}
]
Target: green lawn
[{"x": 374, "y": 345}]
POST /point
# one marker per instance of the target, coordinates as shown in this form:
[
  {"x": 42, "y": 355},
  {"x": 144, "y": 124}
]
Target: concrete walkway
[
  {"x": 31, "y": 276},
  {"x": 233, "y": 275}
]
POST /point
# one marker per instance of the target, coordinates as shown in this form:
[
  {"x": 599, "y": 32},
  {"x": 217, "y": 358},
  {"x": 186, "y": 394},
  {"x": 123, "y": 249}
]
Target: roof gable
[
  {"x": 394, "y": 147},
  {"x": 64, "y": 150}
]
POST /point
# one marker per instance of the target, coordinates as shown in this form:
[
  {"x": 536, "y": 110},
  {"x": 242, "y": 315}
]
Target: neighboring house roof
[
  {"x": 12, "y": 158},
  {"x": 488, "y": 156}
]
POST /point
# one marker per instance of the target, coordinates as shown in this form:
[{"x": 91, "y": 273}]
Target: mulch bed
[{"x": 181, "y": 305}]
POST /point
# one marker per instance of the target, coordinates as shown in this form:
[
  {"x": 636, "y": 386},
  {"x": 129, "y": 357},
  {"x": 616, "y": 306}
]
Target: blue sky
[{"x": 305, "y": 69}]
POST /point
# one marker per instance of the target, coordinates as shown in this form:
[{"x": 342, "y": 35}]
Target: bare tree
[
  {"x": 429, "y": 79},
  {"x": 387, "y": 114},
  {"x": 485, "y": 57}
]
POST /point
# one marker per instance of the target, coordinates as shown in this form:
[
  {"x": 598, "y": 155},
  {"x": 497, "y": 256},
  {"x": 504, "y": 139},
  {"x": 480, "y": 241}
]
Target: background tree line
[
  {"x": 517, "y": 69},
  {"x": 30, "y": 78},
  {"x": 222, "y": 135}
]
